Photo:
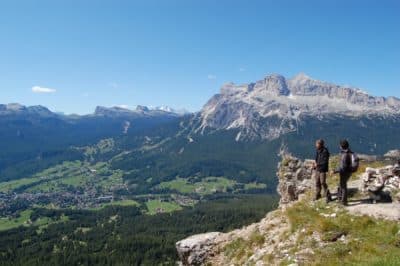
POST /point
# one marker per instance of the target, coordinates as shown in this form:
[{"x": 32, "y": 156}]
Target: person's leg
[
  {"x": 339, "y": 193},
  {"x": 343, "y": 188},
  {"x": 317, "y": 185},
  {"x": 323, "y": 183}
]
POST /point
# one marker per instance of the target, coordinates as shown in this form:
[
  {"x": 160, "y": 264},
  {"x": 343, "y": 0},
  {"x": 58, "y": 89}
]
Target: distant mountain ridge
[
  {"x": 33, "y": 137},
  {"x": 15, "y": 108},
  {"x": 275, "y": 105},
  {"x": 139, "y": 111},
  {"x": 19, "y": 109}
]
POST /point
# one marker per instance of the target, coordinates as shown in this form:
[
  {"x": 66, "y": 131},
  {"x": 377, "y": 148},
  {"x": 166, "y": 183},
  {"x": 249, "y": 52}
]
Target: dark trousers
[
  {"x": 320, "y": 183},
  {"x": 342, "y": 193}
]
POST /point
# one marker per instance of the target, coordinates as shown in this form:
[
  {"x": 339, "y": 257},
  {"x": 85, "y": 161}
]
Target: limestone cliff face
[
  {"x": 275, "y": 105},
  {"x": 278, "y": 239}
]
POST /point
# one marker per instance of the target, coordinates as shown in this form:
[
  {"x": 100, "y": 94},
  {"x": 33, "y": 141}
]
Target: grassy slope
[{"x": 369, "y": 241}]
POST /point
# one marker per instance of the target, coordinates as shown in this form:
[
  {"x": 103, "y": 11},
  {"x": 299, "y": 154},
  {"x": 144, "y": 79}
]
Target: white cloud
[
  {"x": 38, "y": 89},
  {"x": 124, "y": 106},
  {"x": 242, "y": 69},
  {"x": 211, "y": 77}
]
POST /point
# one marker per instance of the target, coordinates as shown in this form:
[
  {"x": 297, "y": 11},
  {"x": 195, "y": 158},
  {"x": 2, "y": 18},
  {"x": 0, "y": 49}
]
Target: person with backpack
[
  {"x": 348, "y": 164},
  {"x": 321, "y": 165}
]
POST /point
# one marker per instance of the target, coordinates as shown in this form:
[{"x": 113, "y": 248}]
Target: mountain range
[
  {"x": 241, "y": 128},
  {"x": 275, "y": 105}
]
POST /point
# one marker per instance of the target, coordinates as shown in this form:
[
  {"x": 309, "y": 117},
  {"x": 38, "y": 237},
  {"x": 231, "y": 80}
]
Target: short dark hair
[
  {"x": 344, "y": 144},
  {"x": 321, "y": 142}
]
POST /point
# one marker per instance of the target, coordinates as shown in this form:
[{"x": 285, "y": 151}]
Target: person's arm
[{"x": 340, "y": 167}]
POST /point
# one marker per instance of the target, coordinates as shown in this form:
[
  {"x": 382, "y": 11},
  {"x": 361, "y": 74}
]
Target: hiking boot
[
  {"x": 317, "y": 197},
  {"x": 328, "y": 197}
]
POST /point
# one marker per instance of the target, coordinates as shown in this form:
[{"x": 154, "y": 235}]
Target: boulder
[
  {"x": 196, "y": 249},
  {"x": 393, "y": 154},
  {"x": 381, "y": 184}
]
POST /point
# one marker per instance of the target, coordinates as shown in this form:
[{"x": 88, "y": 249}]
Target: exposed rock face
[
  {"x": 295, "y": 178},
  {"x": 195, "y": 249},
  {"x": 274, "y": 105},
  {"x": 382, "y": 184}
]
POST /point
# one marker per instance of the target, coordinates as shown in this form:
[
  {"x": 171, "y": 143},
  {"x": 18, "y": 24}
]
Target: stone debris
[{"x": 382, "y": 184}]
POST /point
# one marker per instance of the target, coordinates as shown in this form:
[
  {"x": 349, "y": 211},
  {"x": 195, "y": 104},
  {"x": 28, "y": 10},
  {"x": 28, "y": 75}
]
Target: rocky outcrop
[
  {"x": 295, "y": 178},
  {"x": 382, "y": 184},
  {"x": 196, "y": 249}
]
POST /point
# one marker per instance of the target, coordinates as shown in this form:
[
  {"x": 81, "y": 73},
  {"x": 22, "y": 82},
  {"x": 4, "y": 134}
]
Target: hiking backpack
[{"x": 355, "y": 162}]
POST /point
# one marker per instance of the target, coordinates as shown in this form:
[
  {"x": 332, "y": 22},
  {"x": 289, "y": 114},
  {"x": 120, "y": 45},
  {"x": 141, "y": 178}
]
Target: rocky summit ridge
[{"x": 274, "y": 105}]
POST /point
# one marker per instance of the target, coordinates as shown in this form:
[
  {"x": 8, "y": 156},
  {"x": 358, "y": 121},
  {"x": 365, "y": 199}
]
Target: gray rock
[
  {"x": 295, "y": 178},
  {"x": 196, "y": 249},
  {"x": 393, "y": 154},
  {"x": 381, "y": 184}
]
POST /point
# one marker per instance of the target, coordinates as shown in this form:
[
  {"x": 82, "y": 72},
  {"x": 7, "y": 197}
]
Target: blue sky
[{"x": 179, "y": 52}]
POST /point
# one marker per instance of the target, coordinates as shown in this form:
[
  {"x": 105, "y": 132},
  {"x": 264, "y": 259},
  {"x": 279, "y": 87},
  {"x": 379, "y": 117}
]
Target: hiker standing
[
  {"x": 348, "y": 165},
  {"x": 321, "y": 166}
]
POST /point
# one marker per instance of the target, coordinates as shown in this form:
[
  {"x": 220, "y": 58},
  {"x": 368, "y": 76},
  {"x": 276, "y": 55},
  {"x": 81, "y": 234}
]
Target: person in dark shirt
[
  {"x": 344, "y": 170},
  {"x": 321, "y": 165}
]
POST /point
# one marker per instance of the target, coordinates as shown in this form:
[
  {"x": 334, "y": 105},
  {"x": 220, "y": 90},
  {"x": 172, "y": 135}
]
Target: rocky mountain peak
[
  {"x": 273, "y": 84},
  {"x": 275, "y": 105}
]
